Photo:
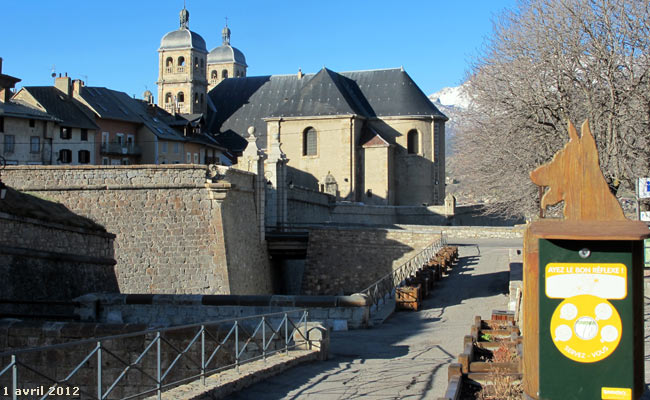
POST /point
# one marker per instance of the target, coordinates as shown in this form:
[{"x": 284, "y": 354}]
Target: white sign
[
  {"x": 644, "y": 188},
  {"x": 645, "y": 216}
]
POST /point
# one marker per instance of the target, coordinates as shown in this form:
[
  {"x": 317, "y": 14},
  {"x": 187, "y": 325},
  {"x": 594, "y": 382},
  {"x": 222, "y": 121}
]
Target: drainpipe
[{"x": 155, "y": 152}]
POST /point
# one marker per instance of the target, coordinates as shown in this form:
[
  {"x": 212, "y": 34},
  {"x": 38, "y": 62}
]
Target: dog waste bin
[{"x": 591, "y": 310}]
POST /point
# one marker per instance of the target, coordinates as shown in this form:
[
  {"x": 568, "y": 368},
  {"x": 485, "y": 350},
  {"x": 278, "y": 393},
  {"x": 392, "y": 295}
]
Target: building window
[
  {"x": 181, "y": 61},
  {"x": 105, "y": 138},
  {"x": 84, "y": 135},
  {"x": 106, "y": 161},
  {"x": 196, "y": 98},
  {"x": 84, "y": 156},
  {"x": 176, "y": 148},
  {"x": 2, "y": 124},
  {"x": 168, "y": 98},
  {"x": 169, "y": 62},
  {"x": 214, "y": 74},
  {"x": 180, "y": 97},
  {"x": 66, "y": 133},
  {"x": 34, "y": 144},
  {"x": 202, "y": 64},
  {"x": 224, "y": 74},
  {"x": 412, "y": 139},
  {"x": 164, "y": 147},
  {"x": 309, "y": 142},
  {"x": 196, "y": 62},
  {"x": 10, "y": 143},
  {"x": 201, "y": 98},
  {"x": 196, "y": 158},
  {"x": 120, "y": 138},
  {"x": 32, "y": 123},
  {"x": 189, "y": 158},
  {"x": 125, "y": 161},
  {"x": 65, "y": 156},
  {"x": 130, "y": 141}
]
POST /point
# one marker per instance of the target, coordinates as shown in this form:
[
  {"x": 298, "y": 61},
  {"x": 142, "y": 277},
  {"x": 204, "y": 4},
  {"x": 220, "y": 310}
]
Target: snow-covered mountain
[{"x": 451, "y": 101}]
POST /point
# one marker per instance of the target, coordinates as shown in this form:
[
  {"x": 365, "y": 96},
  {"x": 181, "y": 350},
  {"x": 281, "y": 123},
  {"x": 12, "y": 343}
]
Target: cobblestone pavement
[{"x": 407, "y": 356}]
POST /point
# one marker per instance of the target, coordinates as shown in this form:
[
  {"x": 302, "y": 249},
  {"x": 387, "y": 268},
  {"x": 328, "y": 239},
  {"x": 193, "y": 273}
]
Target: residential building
[
  {"x": 26, "y": 131},
  {"x": 73, "y": 138}
]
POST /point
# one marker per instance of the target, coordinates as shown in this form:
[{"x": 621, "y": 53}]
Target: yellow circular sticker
[{"x": 586, "y": 328}]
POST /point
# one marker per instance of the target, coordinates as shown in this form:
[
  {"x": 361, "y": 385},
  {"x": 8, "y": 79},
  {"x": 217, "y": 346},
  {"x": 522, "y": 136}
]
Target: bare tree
[{"x": 549, "y": 61}]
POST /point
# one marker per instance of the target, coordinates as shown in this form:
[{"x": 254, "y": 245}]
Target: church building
[{"x": 363, "y": 136}]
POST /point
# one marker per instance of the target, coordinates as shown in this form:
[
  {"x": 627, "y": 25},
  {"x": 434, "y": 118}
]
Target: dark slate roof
[
  {"x": 226, "y": 54},
  {"x": 244, "y": 102},
  {"x": 109, "y": 104},
  {"x": 71, "y": 112},
  {"x": 19, "y": 109},
  {"x": 8, "y": 81}
]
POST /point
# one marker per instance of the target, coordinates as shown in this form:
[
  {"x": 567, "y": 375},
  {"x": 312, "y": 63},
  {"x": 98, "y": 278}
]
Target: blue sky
[{"x": 114, "y": 43}]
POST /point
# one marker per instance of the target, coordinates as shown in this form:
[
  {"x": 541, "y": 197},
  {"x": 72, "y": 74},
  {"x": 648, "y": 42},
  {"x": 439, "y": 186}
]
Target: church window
[
  {"x": 196, "y": 62},
  {"x": 181, "y": 61},
  {"x": 412, "y": 139},
  {"x": 224, "y": 74},
  {"x": 196, "y": 98},
  {"x": 201, "y": 98},
  {"x": 214, "y": 74},
  {"x": 309, "y": 142},
  {"x": 202, "y": 64},
  {"x": 168, "y": 98},
  {"x": 180, "y": 97},
  {"x": 169, "y": 62}
]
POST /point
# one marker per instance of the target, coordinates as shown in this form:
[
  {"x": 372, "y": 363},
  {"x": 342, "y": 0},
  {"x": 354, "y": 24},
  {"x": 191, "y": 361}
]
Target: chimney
[
  {"x": 64, "y": 84},
  {"x": 5, "y": 94},
  {"x": 77, "y": 84},
  {"x": 300, "y": 74}
]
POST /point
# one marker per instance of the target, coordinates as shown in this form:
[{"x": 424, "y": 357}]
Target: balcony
[
  {"x": 121, "y": 149},
  {"x": 180, "y": 69}
]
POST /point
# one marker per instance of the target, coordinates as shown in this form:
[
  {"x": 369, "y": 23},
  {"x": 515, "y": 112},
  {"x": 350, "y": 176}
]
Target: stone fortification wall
[
  {"x": 308, "y": 206},
  {"x": 344, "y": 261},
  {"x": 170, "y": 223},
  {"x": 47, "y": 252}
]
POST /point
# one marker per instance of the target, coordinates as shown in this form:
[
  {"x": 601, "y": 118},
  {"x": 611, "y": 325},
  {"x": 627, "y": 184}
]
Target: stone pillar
[
  {"x": 252, "y": 160},
  {"x": 275, "y": 174}
]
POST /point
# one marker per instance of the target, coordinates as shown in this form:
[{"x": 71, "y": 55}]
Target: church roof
[
  {"x": 244, "y": 102},
  {"x": 183, "y": 38},
  {"x": 226, "y": 54}
]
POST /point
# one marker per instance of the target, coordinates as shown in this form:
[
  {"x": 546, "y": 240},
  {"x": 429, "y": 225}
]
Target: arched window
[
  {"x": 309, "y": 142},
  {"x": 214, "y": 74},
  {"x": 169, "y": 62},
  {"x": 196, "y": 98},
  {"x": 202, "y": 64},
  {"x": 201, "y": 98},
  {"x": 224, "y": 74},
  {"x": 181, "y": 61},
  {"x": 180, "y": 97},
  {"x": 412, "y": 141},
  {"x": 168, "y": 98},
  {"x": 196, "y": 62}
]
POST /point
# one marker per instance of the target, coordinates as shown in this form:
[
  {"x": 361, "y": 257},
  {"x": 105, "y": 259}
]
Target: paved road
[{"x": 406, "y": 357}]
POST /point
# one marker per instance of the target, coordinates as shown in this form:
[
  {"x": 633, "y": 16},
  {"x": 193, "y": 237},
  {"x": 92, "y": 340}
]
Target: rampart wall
[{"x": 176, "y": 230}]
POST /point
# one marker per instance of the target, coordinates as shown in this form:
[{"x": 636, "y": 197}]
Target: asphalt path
[{"x": 407, "y": 356}]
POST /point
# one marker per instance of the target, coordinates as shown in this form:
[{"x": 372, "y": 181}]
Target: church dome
[
  {"x": 226, "y": 54},
  {"x": 183, "y": 38}
]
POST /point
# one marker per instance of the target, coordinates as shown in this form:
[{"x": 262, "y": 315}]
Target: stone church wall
[{"x": 170, "y": 224}]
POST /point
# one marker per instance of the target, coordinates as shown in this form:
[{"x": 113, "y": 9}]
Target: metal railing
[
  {"x": 120, "y": 148},
  {"x": 271, "y": 333},
  {"x": 385, "y": 286}
]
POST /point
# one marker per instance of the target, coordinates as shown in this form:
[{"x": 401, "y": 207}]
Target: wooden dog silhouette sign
[{"x": 574, "y": 176}]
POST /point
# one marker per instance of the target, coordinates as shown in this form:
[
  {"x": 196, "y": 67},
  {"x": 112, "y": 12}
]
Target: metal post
[
  {"x": 237, "y": 345},
  {"x": 306, "y": 313},
  {"x": 264, "y": 338},
  {"x": 14, "y": 377},
  {"x": 159, "y": 380},
  {"x": 637, "y": 203},
  {"x": 203, "y": 354},
  {"x": 99, "y": 370},
  {"x": 286, "y": 334}
]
